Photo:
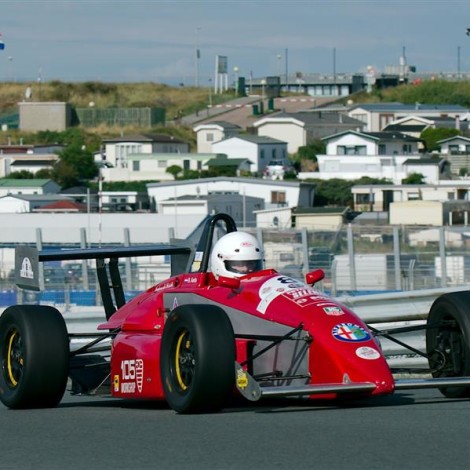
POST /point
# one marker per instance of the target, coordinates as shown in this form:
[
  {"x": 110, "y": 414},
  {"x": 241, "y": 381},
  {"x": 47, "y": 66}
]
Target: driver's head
[{"x": 236, "y": 254}]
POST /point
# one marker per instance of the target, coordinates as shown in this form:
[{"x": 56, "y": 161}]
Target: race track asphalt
[{"x": 412, "y": 430}]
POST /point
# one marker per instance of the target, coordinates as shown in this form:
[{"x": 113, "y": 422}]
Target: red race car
[{"x": 220, "y": 326}]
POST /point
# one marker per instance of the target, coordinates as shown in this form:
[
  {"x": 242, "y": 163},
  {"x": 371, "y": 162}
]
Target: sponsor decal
[
  {"x": 26, "y": 270},
  {"x": 350, "y": 332},
  {"x": 305, "y": 296},
  {"x": 164, "y": 285},
  {"x": 333, "y": 310},
  {"x": 116, "y": 383},
  {"x": 190, "y": 280},
  {"x": 132, "y": 373},
  {"x": 274, "y": 287},
  {"x": 367, "y": 353},
  {"x": 242, "y": 379},
  {"x": 175, "y": 303}
]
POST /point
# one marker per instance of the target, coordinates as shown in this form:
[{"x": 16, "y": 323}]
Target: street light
[
  {"x": 10, "y": 74},
  {"x": 235, "y": 74},
  {"x": 197, "y": 57},
  {"x": 210, "y": 96}
]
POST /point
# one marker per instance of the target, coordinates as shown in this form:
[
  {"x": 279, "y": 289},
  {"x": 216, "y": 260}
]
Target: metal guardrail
[{"x": 379, "y": 310}]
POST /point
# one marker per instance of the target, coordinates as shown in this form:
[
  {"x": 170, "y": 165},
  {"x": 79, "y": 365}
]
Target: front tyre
[
  {"x": 197, "y": 359},
  {"x": 34, "y": 356},
  {"x": 448, "y": 340}
]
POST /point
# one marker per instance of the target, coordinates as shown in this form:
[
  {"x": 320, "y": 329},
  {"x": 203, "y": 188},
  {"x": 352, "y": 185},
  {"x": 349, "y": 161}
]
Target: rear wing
[{"x": 27, "y": 261}]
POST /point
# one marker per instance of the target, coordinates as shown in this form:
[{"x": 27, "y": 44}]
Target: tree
[
  {"x": 307, "y": 154},
  {"x": 414, "y": 178},
  {"x": 21, "y": 175},
  {"x": 75, "y": 166},
  {"x": 432, "y": 136},
  {"x": 337, "y": 191},
  {"x": 174, "y": 170}
]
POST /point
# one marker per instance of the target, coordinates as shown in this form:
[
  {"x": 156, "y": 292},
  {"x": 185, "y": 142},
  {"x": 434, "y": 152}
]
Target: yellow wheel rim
[
  {"x": 10, "y": 356},
  {"x": 183, "y": 345}
]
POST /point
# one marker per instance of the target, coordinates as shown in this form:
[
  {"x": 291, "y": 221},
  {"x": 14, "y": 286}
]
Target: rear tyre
[
  {"x": 34, "y": 356},
  {"x": 197, "y": 359},
  {"x": 448, "y": 340}
]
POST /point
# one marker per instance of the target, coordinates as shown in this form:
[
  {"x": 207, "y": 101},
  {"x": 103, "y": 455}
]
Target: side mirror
[
  {"x": 315, "y": 276},
  {"x": 230, "y": 282}
]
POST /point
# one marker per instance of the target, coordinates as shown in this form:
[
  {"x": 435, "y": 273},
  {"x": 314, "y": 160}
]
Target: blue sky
[{"x": 155, "y": 40}]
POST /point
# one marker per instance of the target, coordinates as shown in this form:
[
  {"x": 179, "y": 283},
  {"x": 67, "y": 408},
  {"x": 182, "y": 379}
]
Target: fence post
[
  {"x": 442, "y": 254},
  {"x": 259, "y": 236},
  {"x": 41, "y": 265},
  {"x": 306, "y": 263},
  {"x": 352, "y": 264},
  {"x": 396, "y": 256},
  {"x": 127, "y": 242},
  {"x": 83, "y": 244}
]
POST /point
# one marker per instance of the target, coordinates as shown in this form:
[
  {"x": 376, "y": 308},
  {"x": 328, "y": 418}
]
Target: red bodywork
[{"x": 335, "y": 346}]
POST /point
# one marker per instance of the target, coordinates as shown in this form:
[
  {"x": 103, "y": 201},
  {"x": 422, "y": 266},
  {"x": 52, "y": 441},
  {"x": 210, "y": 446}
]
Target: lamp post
[
  {"x": 197, "y": 57},
  {"x": 235, "y": 77},
  {"x": 10, "y": 68},
  {"x": 263, "y": 83},
  {"x": 210, "y": 96}
]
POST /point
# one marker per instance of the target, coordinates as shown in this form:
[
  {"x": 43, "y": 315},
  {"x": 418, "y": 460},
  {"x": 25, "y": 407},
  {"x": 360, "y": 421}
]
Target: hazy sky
[{"x": 155, "y": 40}]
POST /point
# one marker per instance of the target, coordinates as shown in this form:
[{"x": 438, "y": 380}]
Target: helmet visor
[{"x": 243, "y": 266}]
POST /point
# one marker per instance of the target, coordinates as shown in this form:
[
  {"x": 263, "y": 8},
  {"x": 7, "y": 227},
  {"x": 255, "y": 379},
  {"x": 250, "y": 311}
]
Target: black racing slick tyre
[
  {"x": 34, "y": 356},
  {"x": 197, "y": 359},
  {"x": 448, "y": 340}
]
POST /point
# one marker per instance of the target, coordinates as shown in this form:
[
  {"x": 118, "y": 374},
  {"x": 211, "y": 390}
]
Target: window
[
  {"x": 406, "y": 148},
  {"x": 273, "y": 154},
  {"x": 361, "y": 117},
  {"x": 210, "y": 137},
  {"x": 261, "y": 155},
  {"x": 278, "y": 197},
  {"x": 364, "y": 198},
  {"x": 135, "y": 165},
  {"x": 162, "y": 163},
  {"x": 382, "y": 149},
  {"x": 351, "y": 150},
  {"x": 450, "y": 196},
  {"x": 385, "y": 119},
  {"x": 453, "y": 149}
]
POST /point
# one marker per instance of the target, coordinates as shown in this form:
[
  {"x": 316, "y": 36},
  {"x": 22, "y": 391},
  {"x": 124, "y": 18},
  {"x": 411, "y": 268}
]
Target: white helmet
[{"x": 236, "y": 254}]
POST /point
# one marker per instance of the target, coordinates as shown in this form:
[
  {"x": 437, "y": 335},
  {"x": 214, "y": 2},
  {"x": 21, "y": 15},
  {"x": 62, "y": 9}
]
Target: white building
[
  {"x": 274, "y": 193},
  {"x": 352, "y": 155},
  {"x": 240, "y": 207},
  {"x": 210, "y": 132},
  {"x": 151, "y": 166},
  {"x": 28, "y": 186},
  {"x": 378, "y": 115},
  {"x": 298, "y": 129},
  {"x": 119, "y": 149},
  {"x": 378, "y": 197},
  {"x": 259, "y": 150},
  {"x": 20, "y": 204}
]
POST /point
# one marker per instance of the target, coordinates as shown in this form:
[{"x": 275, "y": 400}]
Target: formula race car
[{"x": 210, "y": 333}]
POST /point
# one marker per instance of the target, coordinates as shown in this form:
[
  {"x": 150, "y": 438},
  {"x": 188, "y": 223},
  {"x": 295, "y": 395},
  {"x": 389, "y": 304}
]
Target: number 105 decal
[{"x": 132, "y": 375}]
